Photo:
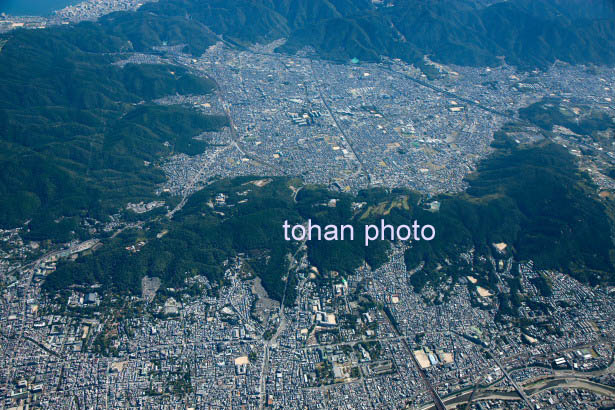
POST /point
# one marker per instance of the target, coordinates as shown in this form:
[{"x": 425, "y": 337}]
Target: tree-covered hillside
[
  {"x": 525, "y": 33},
  {"x": 75, "y": 130},
  {"x": 533, "y": 198}
]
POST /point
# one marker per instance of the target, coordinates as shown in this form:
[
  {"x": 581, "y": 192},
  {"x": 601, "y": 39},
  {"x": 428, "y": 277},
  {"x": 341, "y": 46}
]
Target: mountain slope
[
  {"x": 451, "y": 32},
  {"x": 74, "y": 137}
]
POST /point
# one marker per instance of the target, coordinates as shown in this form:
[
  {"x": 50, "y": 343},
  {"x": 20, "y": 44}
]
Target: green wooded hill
[
  {"x": 75, "y": 130},
  {"x": 199, "y": 240},
  {"x": 550, "y": 111},
  {"x": 532, "y": 198}
]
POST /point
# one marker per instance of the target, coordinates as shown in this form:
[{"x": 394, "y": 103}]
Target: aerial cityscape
[{"x": 147, "y": 174}]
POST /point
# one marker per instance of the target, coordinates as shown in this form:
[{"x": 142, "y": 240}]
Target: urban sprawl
[{"x": 367, "y": 341}]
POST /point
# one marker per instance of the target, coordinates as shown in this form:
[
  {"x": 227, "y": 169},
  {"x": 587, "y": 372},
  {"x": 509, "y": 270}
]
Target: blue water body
[{"x": 33, "y": 7}]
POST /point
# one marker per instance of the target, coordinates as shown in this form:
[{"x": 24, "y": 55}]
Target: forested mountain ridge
[
  {"x": 532, "y": 197},
  {"x": 523, "y": 33},
  {"x": 76, "y": 130}
]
